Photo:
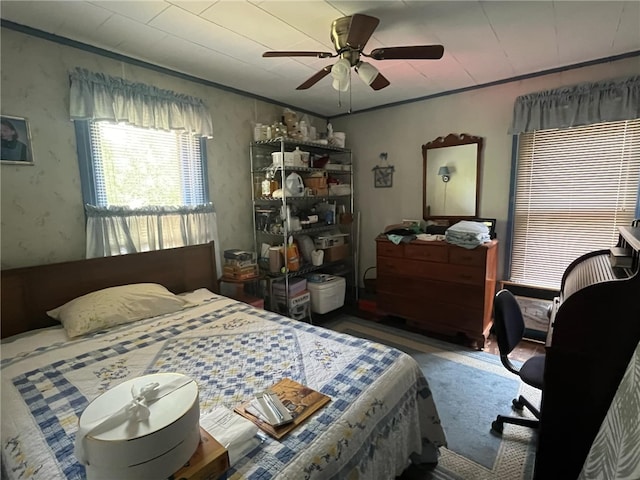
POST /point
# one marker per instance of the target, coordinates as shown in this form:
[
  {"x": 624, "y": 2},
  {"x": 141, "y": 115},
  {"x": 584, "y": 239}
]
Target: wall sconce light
[{"x": 444, "y": 173}]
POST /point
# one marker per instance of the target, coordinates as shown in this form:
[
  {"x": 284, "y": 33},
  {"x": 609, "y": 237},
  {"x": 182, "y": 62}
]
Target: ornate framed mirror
[{"x": 451, "y": 178}]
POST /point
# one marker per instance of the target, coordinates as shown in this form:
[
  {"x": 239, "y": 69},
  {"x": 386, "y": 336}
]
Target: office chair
[{"x": 508, "y": 326}]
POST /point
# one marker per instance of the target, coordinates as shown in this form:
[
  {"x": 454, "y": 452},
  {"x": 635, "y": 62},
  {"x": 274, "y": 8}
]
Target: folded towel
[
  {"x": 467, "y": 234},
  {"x": 468, "y": 226}
]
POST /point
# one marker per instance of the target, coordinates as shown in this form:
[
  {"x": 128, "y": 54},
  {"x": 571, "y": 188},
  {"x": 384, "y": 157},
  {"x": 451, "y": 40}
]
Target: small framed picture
[
  {"x": 16, "y": 141},
  {"x": 383, "y": 177}
]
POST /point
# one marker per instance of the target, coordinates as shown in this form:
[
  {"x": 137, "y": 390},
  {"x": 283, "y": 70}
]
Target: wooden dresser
[{"x": 438, "y": 286}]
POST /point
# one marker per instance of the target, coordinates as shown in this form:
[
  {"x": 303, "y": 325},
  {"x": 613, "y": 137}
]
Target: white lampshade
[
  {"x": 340, "y": 74},
  {"x": 367, "y": 72}
]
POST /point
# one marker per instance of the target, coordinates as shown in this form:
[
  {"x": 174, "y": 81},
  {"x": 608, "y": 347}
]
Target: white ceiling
[{"x": 223, "y": 41}]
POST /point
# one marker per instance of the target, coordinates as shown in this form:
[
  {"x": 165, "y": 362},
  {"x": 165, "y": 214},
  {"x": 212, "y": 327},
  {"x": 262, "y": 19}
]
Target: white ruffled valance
[
  {"x": 119, "y": 230},
  {"x": 96, "y": 96},
  {"x": 583, "y": 104}
]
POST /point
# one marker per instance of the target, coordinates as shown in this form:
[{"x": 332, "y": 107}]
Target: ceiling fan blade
[
  {"x": 298, "y": 54},
  {"x": 360, "y": 30},
  {"x": 315, "y": 78},
  {"x": 417, "y": 52},
  {"x": 380, "y": 82}
]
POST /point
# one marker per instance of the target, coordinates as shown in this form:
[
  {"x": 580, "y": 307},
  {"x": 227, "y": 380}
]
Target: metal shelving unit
[{"x": 269, "y": 222}]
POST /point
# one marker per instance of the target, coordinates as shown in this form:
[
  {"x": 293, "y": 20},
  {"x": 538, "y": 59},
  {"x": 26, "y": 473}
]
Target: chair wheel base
[
  {"x": 497, "y": 426},
  {"x": 517, "y": 404}
]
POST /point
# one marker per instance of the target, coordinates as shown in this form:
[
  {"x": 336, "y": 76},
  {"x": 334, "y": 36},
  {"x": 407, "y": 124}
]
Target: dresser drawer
[
  {"x": 426, "y": 291},
  {"x": 463, "y": 274},
  {"x": 473, "y": 257},
  {"x": 444, "y": 272},
  {"x": 431, "y": 253},
  {"x": 389, "y": 249},
  {"x": 431, "y": 314}
]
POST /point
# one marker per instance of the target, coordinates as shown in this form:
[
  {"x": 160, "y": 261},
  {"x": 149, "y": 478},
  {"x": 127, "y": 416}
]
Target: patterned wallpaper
[{"x": 42, "y": 216}]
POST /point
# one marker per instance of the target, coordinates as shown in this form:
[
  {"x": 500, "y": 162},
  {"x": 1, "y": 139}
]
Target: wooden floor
[{"x": 525, "y": 350}]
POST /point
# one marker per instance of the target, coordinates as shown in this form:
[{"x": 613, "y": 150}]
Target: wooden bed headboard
[{"x": 28, "y": 293}]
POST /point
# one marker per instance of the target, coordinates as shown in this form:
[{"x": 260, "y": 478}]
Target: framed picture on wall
[
  {"x": 383, "y": 177},
  {"x": 16, "y": 141}
]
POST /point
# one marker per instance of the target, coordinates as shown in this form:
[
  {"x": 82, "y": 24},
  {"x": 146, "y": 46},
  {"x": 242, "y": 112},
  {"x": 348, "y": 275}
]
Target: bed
[{"x": 380, "y": 416}]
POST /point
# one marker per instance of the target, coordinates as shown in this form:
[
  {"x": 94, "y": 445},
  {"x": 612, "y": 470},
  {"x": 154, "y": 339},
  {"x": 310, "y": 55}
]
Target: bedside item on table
[
  {"x": 239, "y": 265},
  {"x": 210, "y": 460}
]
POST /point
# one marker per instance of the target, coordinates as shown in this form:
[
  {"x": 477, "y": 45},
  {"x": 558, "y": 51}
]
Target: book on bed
[{"x": 300, "y": 400}]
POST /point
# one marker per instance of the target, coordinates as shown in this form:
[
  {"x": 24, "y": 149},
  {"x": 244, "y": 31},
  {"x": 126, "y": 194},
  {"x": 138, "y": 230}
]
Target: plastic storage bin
[{"x": 328, "y": 294}]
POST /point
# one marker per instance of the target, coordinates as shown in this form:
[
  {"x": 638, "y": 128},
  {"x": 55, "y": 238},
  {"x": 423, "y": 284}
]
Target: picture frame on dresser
[{"x": 16, "y": 141}]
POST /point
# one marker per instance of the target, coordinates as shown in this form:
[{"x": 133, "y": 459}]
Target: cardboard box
[
  {"x": 209, "y": 461},
  {"x": 298, "y": 305},
  {"x": 316, "y": 181},
  {"x": 333, "y": 254}
]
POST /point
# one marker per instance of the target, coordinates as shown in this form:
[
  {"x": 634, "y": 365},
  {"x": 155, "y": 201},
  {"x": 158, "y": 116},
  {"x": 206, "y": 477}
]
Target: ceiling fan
[{"x": 349, "y": 35}]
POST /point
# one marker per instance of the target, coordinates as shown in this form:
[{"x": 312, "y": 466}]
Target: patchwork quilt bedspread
[{"x": 381, "y": 410}]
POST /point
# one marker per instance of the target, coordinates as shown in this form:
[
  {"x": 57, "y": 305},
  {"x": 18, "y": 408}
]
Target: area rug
[{"x": 470, "y": 388}]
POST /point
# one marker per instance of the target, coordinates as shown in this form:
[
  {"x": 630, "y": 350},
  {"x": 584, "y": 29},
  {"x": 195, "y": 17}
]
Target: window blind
[
  {"x": 574, "y": 187},
  {"x": 138, "y": 167}
]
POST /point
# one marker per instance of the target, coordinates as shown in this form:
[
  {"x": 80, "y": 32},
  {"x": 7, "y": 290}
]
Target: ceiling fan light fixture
[
  {"x": 367, "y": 72},
  {"x": 340, "y": 73}
]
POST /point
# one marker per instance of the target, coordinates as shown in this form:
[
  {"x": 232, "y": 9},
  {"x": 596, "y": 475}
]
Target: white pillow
[{"x": 116, "y": 305}]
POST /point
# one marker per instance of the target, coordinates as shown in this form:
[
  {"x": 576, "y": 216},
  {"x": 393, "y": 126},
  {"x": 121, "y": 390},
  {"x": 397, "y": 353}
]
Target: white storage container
[
  {"x": 297, "y": 158},
  {"x": 147, "y": 427},
  {"x": 330, "y": 240},
  {"x": 328, "y": 294}
]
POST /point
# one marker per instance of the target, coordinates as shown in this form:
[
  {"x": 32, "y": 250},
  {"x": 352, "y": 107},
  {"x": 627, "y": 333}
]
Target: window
[
  {"x": 574, "y": 187},
  {"x": 139, "y": 167}
]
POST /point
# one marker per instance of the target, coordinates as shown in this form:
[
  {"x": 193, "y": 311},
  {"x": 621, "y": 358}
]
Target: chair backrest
[{"x": 508, "y": 323}]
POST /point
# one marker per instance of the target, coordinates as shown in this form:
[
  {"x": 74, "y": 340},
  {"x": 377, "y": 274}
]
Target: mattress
[{"x": 380, "y": 415}]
